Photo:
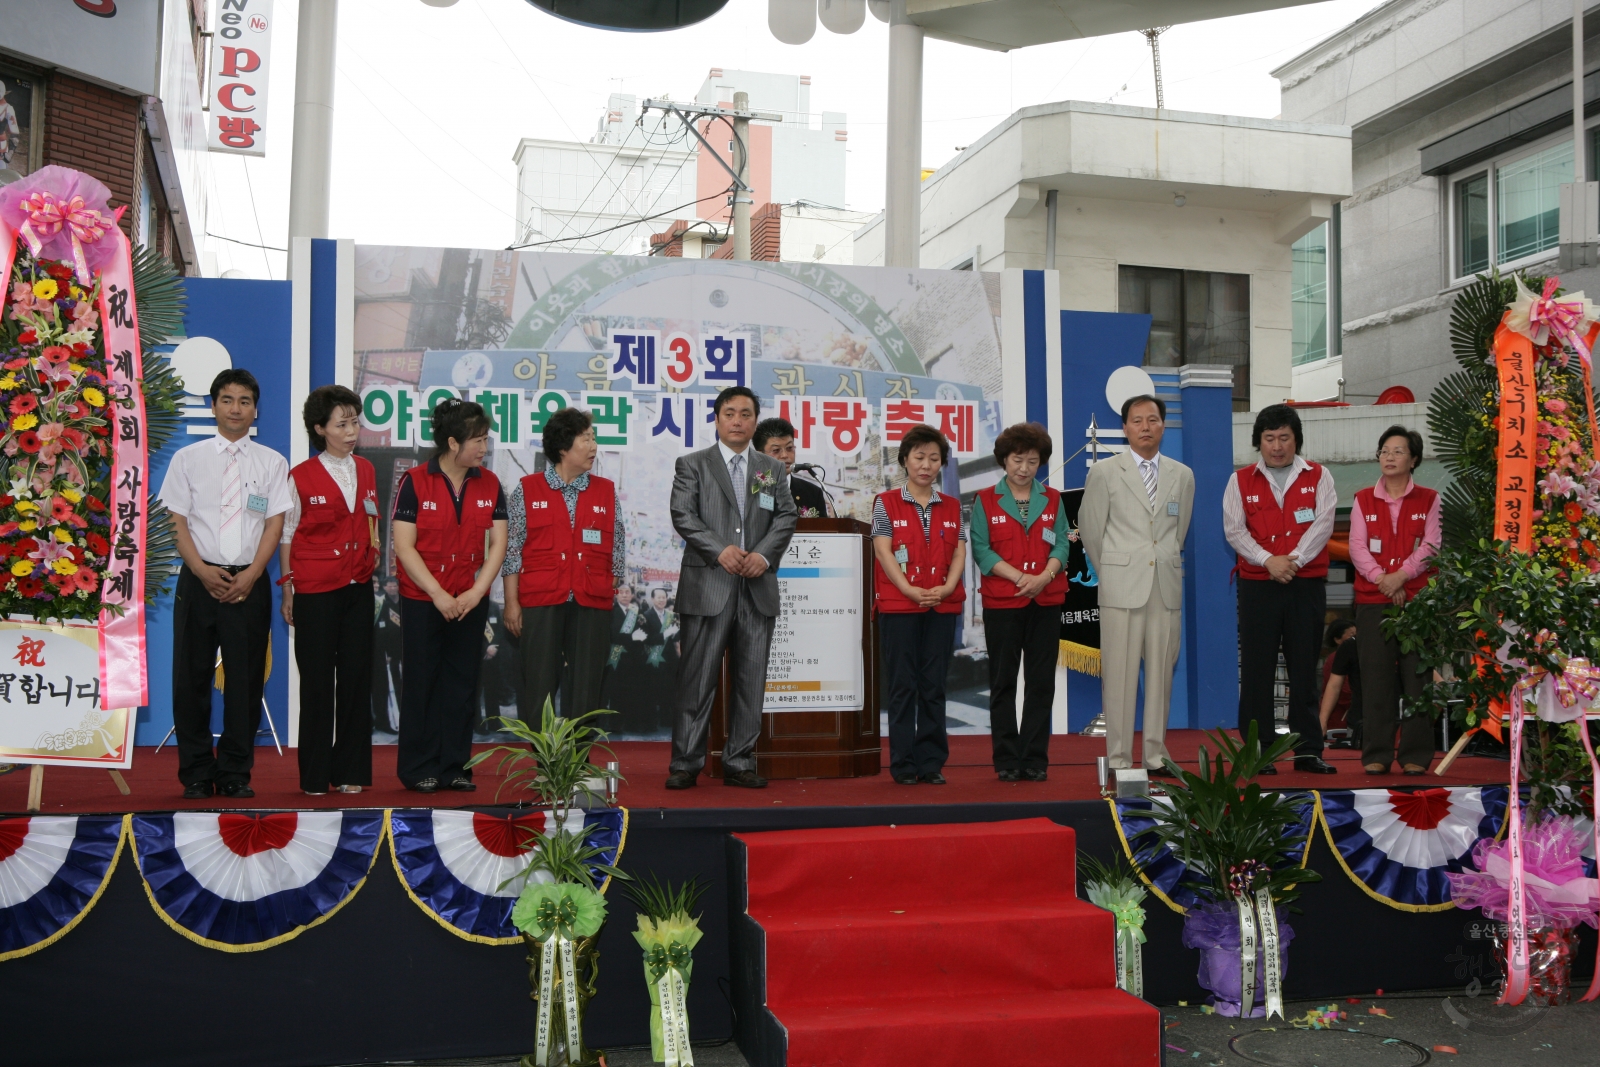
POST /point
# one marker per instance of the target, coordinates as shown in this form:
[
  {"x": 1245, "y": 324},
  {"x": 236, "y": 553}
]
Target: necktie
[
  {"x": 231, "y": 535},
  {"x": 736, "y": 474},
  {"x": 1147, "y": 471}
]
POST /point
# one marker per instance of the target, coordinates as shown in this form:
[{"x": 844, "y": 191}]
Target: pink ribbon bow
[
  {"x": 46, "y": 216},
  {"x": 1564, "y": 319}
]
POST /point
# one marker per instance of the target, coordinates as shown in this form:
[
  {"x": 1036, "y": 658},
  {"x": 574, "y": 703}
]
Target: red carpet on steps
[{"x": 940, "y": 945}]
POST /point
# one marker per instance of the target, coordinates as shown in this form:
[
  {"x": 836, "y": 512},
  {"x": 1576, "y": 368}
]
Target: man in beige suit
[{"x": 1133, "y": 519}]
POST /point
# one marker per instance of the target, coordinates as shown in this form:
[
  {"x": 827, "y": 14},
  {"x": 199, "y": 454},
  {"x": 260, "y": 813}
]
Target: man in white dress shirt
[{"x": 228, "y": 496}]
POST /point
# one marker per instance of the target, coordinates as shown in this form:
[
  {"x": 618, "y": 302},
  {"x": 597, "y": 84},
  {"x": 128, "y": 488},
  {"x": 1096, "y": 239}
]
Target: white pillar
[
  {"x": 741, "y": 162},
  {"x": 312, "y": 171},
  {"x": 902, "y": 212},
  {"x": 1580, "y": 162}
]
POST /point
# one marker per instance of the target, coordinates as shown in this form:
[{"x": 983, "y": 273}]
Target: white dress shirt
[
  {"x": 1311, "y": 542},
  {"x": 193, "y": 489},
  {"x": 343, "y": 472}
]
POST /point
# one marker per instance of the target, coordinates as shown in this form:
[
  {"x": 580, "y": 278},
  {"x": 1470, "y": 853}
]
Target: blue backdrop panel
[
  {"x": 252, "y": 320},
  {"x": 1211, "y": 623}
]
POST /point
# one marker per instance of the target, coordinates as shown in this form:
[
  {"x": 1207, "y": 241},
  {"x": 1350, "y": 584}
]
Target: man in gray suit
[
  {"x": 731, "y": 505},
  {"x": 1133, "y": 519}
]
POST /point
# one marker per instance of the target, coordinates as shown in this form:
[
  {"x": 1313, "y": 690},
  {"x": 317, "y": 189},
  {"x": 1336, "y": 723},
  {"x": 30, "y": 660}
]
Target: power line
[
  {"x": 618, "y": 226},
  {"x": 247, "y": 244},
  {"x": 251, "y": 186}
]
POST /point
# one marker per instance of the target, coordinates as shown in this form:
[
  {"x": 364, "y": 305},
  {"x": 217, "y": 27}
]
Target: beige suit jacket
[{"x": 1131, "y": 542}]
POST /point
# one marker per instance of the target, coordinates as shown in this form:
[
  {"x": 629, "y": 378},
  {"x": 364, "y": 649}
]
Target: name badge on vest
[
  {"x": 591, "y": 537},
  {"x": 1049, "y": 535},
  {"x": 1172, "y": 508},
  {"x": 257, "y": 504},
  {"x": 902, "y": 557},
  {"x": 1374, "y": 544},
  {"x": 767, "y": 501},
  {"x": 371, "y": 506},
  {"x": 1304, "y": 514}
]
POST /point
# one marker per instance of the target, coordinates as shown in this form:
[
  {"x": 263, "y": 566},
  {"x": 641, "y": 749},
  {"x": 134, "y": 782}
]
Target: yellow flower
[
  {"x": 25, "y": 422},
  {"x": 64, "y": 535},
  {"x": 72, "y": 495},
  {"x": 9, "y": 382},
  {"x": 22, "y": 568},
  {"x": 95, "y": 397},
  {"x": 64, "y": 566},
  {"x": 45, "y": 289},
  {"x": 26, "y": 506},
  {"x": 27, "y": 526}
]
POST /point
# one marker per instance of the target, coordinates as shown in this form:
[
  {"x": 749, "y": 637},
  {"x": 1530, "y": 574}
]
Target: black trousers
[
  {"x": 915, "y": 650},
  {"x": 201, "y": 625},
  {"x": 1287, "y": 615},
  {"x": 564, "y": 647},
  {"x": 442, "y": 659},
  {"x": 1030, "y": 636},
  {"x": 333, "y": 648},
  {"x": 1385, "y": 676}
]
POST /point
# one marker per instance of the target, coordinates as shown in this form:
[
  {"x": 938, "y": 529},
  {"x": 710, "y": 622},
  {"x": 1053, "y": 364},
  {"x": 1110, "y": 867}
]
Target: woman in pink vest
[
  {"x": 450, "y": 539},
  {"x": 327, "y": 553},
  {"x": 920, "y": 544},
  {"x": 564, "y": 561},
  {"x": 1020, "y": 544},
  {"x": 1394, "y": 531}
]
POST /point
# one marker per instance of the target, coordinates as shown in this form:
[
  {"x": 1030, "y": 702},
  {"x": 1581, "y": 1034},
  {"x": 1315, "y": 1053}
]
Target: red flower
[
  {"x": 95, "y": 503},
  {"x": 60, "y": 508},
  {"x": 1588, "y": 548},
  {"x": 74, "y": 439},
  {"x": 85, "y": 579},
  {"x": 99, "y": 431},
  {"x": 15, "y": 364},
  {"x": 24, "y": 546},
  {"x": 29, "y": 441},
  {"x": 80, "y": 349},
  {"x": 57, "y": 353},
  {"x": 29, "y": 587},
  {"x": 21, "y": 405},
  {"x": 1573, "y": 511},
  {"x": 59, "y": 271},
  {"x": 98, "y": 545},
  {"x": 27, "y": 337}
]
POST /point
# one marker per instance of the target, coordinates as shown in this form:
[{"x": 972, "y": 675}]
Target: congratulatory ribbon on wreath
[
  {"x": 554, "y": 914},
  {"x": 668, "y": 961}
]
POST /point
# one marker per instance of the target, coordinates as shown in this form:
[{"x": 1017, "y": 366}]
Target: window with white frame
[
  {"x": 1507, "y": 211},
  {"x": 1308, "y": 297}
]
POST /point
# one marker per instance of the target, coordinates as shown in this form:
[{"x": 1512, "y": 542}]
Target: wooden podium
[{"x": 817, "y": 744}]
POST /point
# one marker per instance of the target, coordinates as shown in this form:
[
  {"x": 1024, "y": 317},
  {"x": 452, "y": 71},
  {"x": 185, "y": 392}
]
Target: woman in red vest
[
  {"x": 1394, "y": 531},
  {"x": 564, "y": 563},
  {"x": 920, "y": 544},
  {"x": 327, "y": 555},
  {"x": 1020, "y": 544},
  {"x": 450, "y": 539}
]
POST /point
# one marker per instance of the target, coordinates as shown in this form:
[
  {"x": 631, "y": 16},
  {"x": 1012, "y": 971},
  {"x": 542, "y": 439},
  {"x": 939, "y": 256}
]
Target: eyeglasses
[{"x": 1389, "y": 453}]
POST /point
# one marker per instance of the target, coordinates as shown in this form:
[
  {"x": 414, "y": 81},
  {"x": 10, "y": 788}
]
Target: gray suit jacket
[
  {"x": 706, "y": 516},
  {"x": 1132, "y": 543}
]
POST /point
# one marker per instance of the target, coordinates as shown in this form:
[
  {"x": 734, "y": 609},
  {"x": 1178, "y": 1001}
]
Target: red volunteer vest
[
  {"x": 561, "y": 557},
  {"x": 1389, "y": 544},
  {"x": 1279, "y": 529},
  {"x": 333, "y": 547},
  {"x": 1025, "y": 550},
  {"x": 928, "y": 558},
  {"x": 452, "y": 550}
]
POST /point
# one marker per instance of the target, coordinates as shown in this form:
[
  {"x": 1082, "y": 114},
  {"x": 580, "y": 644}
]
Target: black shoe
[
  {"x": 744, "y": 780},
  {"x": 1007, "y": 776},
  {"x": 198, "y": 791},
  {"x": 905, "y": 779},
  {"x": 1269, "y": 769},
  {"x": 1163, "y": 771},
  {"x": 933, "y": 778},
  {"x": 237, "y": 791},
  {"x": 427, "y": 785},
  {"x": 681, "y": 779},
  {"x": 1314, "y": 765},
  {"x": 463, "y": 784},
  {"x": 1035, "y": 774}
]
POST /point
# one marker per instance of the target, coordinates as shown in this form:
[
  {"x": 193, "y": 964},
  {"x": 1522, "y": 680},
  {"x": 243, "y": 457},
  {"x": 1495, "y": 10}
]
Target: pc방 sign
[{"x": 241, "y": 48}]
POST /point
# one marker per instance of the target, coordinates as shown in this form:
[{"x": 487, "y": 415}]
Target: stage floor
[{"x": 153, "y": 780}]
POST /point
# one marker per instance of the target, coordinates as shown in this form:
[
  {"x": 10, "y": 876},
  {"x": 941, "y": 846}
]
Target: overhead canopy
[{"x": 1007, "y": 24}]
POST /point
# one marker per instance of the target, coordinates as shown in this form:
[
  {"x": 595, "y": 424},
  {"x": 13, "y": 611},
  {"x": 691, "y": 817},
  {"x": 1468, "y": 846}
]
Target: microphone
[{"x": 809, "y": 467}]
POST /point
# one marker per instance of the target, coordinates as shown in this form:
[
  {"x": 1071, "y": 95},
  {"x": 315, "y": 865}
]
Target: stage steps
[{"x": 933, "y": 945}]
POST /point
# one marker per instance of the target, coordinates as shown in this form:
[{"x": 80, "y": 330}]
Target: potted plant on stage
[
  {"x": 668, "y": 934},
  {"x": 560, "y": 910},
  {"x": 1242, "y": 848}
]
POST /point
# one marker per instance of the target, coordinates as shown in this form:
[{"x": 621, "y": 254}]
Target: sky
[{"x": 430, "y": 103}]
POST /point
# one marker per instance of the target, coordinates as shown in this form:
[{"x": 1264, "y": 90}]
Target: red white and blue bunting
[
  {"x": 1397, "y": 845},
  {"x": 463, "y": 867},
  {"x": 53, "y": 869},
  {"x": 245, "y": 882}
]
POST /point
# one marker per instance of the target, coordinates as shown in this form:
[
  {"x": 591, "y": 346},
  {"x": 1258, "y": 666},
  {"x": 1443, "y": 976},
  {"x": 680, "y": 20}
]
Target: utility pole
[
  {"x": 741, "y": 192},
  {"x": 1153, "y": 35},
  {"x": 902, "y": 202},
  {"x": 311, "y": 172}
]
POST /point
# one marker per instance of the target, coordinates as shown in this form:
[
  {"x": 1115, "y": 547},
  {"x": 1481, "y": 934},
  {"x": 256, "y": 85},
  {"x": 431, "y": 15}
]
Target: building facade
[
  {"x": 1461, "y": 120},
  {"x": 1196, "y": 220}
]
